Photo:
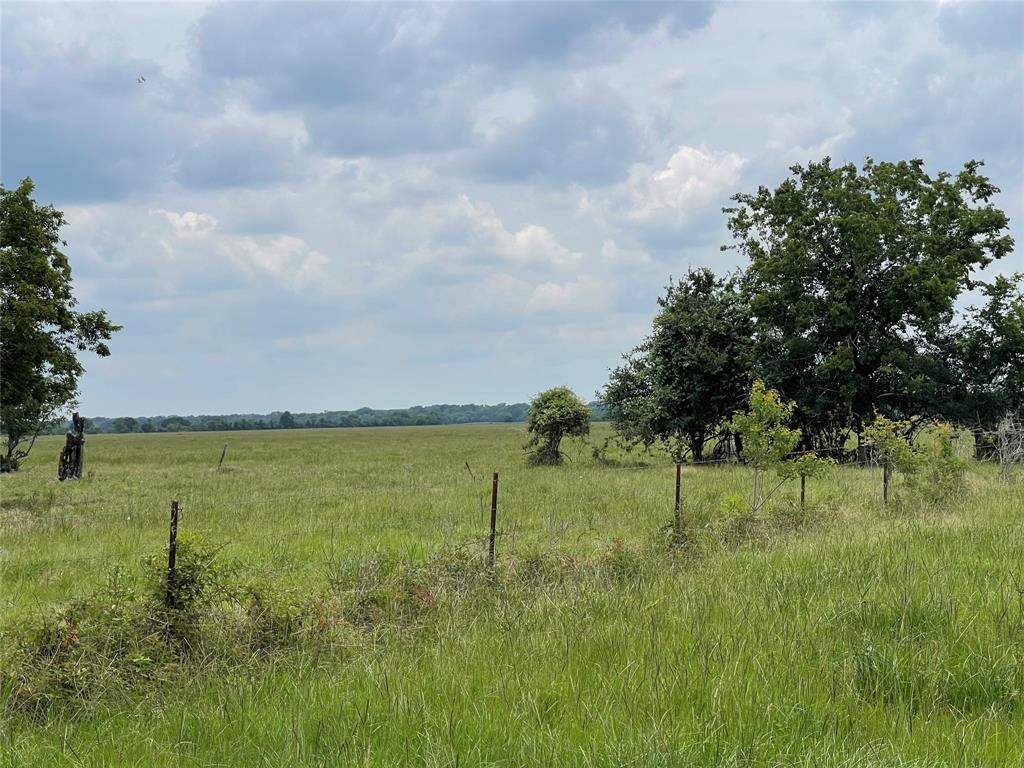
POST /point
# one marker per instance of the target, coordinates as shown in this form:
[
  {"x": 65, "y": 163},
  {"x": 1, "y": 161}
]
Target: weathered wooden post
[
  {"x": 803, "y": 490},
  {"x": 172, "y": 551},
  {"x": 885, "y": 483},
  {"x": 494, "y": 519},
  {"x": 222, "y": 452},
  {"x": 79, "y": 422}
]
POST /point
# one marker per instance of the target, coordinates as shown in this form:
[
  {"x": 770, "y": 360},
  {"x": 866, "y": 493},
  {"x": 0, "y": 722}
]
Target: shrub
[
  {"x": 940, "y": 471},
  {"x": 554, "y": 414},
  {"x": 933, "y": 470}
]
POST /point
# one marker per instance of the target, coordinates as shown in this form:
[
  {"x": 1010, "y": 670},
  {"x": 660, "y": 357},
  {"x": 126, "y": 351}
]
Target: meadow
[{"x": 356, "y": 621}]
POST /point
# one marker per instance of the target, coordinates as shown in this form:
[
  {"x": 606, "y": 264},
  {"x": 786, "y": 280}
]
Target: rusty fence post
[
  {"x": 172, "y": 551},
  {"x": 494, "y": 519}
]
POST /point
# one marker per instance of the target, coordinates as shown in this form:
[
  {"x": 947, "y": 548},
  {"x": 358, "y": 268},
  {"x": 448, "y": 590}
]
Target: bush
[
  {"x": 940, "y": 472},
  {"x": 934, "y": 473},
  {"x": 554, "y": 414}
]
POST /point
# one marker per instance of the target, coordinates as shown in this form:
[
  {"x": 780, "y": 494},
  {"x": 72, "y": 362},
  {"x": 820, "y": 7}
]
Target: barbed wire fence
[{"x": 485, "y": 540}]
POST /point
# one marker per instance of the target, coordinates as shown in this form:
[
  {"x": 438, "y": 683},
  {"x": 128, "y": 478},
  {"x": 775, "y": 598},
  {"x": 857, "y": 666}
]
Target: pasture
[{"x": 843, "y": 634}]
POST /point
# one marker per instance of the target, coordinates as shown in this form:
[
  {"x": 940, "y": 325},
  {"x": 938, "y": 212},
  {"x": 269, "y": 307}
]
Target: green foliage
[
  {"x": 690, "y": 374},
  {"x": 40, "y": 332},
  {"x": 889, "y": 439},
  {"x": 768, "y": 441},
  {"x": 125, "y": 424},
  {"x": 176, "y": 424},
  {"x": 986, "y": 357},
  {"x": 554, "y": 414},
  {"x": 429, "y": 415},
  {"x": 933, "y": 471},
  {"x": 199, "y": 575},
  {"x": 940, "y": 478},
  {"x": 853, "y": 274}
]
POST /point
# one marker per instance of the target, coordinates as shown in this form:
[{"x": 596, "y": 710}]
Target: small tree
[
  {"x": 888, "y": 438},
  {"x": 692, "y": 371},
  {"x": 768, "y": 442},
  {"x": 933, "y": 471},
  {"x": 40, "y": 333},
  {"x": 942, "y": 470},
  {"x": 554, "y": 414}
]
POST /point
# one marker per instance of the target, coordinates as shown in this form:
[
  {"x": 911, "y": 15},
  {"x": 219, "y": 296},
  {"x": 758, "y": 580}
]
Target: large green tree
[
  {"x": 853, "y": 273},
  {"x": 984, "y": 354},
  {"x": 693, "y": 371},
  {"x": 40, "y": 331}
]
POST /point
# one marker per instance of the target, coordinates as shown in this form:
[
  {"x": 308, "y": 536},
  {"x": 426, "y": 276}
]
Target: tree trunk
[
  {"x": 985, "y": 448},
  {"x": 697, "y": 448},
  {"x": 7, "y": 462}
]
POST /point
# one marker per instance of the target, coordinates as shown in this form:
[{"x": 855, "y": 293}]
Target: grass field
[{"x": 840, "y": 635}]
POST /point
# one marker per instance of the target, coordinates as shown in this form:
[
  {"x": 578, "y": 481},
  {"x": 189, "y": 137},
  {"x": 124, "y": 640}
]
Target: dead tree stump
[{"x": 72, "y": 456}]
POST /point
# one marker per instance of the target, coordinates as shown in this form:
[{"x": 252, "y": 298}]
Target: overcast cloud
[{"x": 325, "y": 206}]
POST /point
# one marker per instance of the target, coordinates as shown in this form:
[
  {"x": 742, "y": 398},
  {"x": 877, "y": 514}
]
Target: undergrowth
[{"x": 130, "y": 632}]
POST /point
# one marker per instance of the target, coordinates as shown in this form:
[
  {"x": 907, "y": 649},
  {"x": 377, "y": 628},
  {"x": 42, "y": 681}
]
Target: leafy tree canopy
[
  {"x": 40, "y": 331},
  {"x": 691, "y": 373},
  {"x": 853, "y": 273},
  {"x": 985, "y": 359}
]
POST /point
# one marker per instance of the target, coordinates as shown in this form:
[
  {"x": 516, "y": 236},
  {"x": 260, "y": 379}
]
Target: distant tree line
[
  {"x": 861, "y": 298},
  {"x": 364, "y": 417}
]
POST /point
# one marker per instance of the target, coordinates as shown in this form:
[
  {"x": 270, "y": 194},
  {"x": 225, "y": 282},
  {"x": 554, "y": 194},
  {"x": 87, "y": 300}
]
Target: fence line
[{"x": 487, "y": 538}]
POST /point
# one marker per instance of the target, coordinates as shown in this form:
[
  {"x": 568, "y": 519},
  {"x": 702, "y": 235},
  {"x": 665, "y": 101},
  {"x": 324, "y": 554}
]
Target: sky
[{"x": 326, "y": 206}]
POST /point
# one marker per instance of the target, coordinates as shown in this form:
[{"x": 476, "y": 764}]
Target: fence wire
[{"x": 9, "y": 561}]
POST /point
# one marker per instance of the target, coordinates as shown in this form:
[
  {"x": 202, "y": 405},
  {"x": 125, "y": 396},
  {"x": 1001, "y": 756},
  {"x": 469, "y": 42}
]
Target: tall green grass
[{"x": 841, "y": 635}]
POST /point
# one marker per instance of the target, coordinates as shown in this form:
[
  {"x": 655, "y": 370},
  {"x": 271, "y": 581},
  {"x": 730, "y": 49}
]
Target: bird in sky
[{"x": 140, "y": 79}]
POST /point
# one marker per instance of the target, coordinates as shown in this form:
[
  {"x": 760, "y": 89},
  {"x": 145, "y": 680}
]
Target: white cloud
[
  {"x": 471, "y": 233},
  {"x": 535, "y": 244},
  {"x": 498, "y": 296},
  {"x": 579, "y": 297},
  {"x": 355, "y": 335},
  {"x": 288, "y": 260},
  {"x": 190, "y": 224},
  {"x": 692, "y": 179},
  {"x": 799, "y": 137},
  {"x": 616, "y": 257}
]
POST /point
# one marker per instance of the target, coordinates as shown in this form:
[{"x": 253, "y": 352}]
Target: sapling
[
  {"x": 768, "y": 443},
  {"x": 934, "y": 471}
]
